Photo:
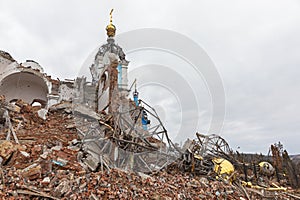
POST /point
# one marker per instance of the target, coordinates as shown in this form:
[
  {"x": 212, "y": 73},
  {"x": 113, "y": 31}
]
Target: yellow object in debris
[
  {"x": 266, "y": 168},
  {"x": 247, "y": 184},
  {"x": 279, "y": 188},
  {"x": 275, "y": 188},
  {"x": 223, "y": 167},
  {"x": 198, "y": 157}
]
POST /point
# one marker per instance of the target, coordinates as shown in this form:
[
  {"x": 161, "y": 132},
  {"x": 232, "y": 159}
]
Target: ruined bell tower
[{"x": 107, "y": 55}]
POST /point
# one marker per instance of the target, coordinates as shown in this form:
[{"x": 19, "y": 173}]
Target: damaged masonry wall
[{"x": 27, "y": 81}]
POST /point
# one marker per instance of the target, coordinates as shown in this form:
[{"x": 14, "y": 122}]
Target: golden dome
[{"x": 110, "y": 28}]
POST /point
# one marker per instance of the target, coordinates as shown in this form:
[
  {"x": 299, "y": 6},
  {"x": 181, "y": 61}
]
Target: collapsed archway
[{"x": 26, "y": 86}]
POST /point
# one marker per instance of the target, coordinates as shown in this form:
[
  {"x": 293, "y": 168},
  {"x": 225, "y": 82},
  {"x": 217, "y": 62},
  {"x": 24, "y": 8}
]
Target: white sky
[{"x": 254, "y": 44}]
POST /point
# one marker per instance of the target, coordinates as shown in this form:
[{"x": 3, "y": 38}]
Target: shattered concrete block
[
  {"x": 61, "y": 106},
  {"x": 56, "y": 148},
  {"x": 62, "y": 188},
  {"x": 92, "y": 163},
  {"x": 42, "y": 113},
  {"x": 92, "y": 147},
  {"x": 44, "y": 155},
  {"x": 25, "y": 154},
  {"x": 74, "y": 142},
  {"x": 32, "y": 172},
  {"x": 86, "y": 111},
  {"x": 69, "y": 126},
  {"x": 46, "y": 181}
]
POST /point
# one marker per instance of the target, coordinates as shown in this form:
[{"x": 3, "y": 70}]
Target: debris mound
[{"x": 49, "y": 159}]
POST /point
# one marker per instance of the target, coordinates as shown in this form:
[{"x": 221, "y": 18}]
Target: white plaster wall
[
  {"x": 22, "y": 82},
  {"x": 8, "y": 69},
  {"x": 103, "y": 92},
  {"x": 103, "y": 100},
  {"x": 25, "y": 86},
  {"x": 33, "y": 65},
  {"x": 52, "y": 100},
  {"x": 124, "y": 77},
  {"x": 4, "y": 63},
  {"x": 18, "y": 82},
  {"x": 65, "y": 92},
  {"x": 124, "y": 82}
]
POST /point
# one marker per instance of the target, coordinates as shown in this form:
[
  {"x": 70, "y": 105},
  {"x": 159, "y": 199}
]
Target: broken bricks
[
  {"x": 6, "y": 150},
  {"x": 33, "y": 165},
  {"x": 32, "y": 172}
]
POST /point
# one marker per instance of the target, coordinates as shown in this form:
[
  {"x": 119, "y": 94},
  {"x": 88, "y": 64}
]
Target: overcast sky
[{"x": 253, "y": 44}]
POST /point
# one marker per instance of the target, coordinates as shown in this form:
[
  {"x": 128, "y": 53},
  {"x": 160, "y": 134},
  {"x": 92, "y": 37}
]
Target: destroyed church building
[
  {"x": 135, "y": 142},
  {"x": 27, "y": 81},
  {"x": 100, "y": 128}
]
